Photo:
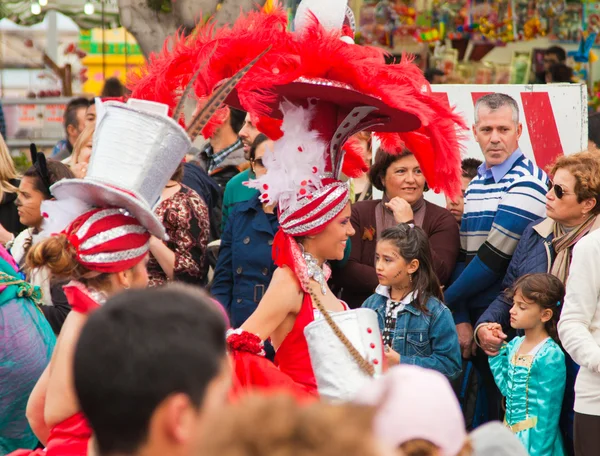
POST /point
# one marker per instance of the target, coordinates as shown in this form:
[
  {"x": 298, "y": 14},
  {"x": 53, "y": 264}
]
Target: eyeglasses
[
  {"x": 258, "y": 162},
  {"x": 559, "y": 191}
]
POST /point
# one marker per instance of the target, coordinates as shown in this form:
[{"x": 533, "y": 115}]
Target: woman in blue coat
[
  {"x": 245, "y": 264},
  {"x": 572, "y": 206}
]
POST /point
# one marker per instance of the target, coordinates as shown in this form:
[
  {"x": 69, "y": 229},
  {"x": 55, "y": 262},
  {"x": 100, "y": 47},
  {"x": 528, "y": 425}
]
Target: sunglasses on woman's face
[
  {"x": 559, "y": 191},
  {"x": 258, "y": 162}
]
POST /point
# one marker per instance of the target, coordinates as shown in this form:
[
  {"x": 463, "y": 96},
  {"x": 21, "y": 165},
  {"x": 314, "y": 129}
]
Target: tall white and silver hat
[{"x": 136, "y": 150}]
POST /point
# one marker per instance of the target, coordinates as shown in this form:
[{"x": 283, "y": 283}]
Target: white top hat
[{"x": 136, "y": 150}]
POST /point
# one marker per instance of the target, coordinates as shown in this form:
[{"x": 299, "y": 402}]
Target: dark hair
[
  {"x": 431, "y": 72},
  {"x": 547, "y": 291},
  {"x": 178, "y": 174},
  {"x": 113, "y": 88},
  {"x": 236, "y": 119},
  {"x": 469, "y": 167},
  {"x": 70, "y": 115},
  {"x": 56, "y": 171},
  {"x": 145, "y": 345},
  {"x": 495, "y": 101},
  {"x": 558, "y": 52},
  {"x": 413, "y": 244},
  {"x": 260, "y": 138},
  {"x": 561, "y": 73},
  {"x": 594, "y": 128},
  {"x": 383, "y": 161}
]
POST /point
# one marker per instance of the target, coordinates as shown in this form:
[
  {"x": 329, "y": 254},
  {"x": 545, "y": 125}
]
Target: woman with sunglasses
[
  {"x": 245, "y": 264},
  {"x": 572, "y": 208}
]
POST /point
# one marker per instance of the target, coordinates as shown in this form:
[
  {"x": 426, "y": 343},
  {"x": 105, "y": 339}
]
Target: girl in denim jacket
[{"x": 417, "y": 327}]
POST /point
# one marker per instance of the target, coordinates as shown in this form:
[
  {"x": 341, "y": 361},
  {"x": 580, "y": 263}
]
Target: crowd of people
[{"x": 255, "y": 296}]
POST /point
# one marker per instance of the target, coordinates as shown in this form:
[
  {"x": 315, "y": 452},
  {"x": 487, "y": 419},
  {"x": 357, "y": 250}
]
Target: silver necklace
[{"x": 314, "y": 271}]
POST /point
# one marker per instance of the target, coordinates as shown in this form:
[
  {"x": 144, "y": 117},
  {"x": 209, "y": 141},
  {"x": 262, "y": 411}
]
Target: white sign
[{"x": 554, "y": 119}]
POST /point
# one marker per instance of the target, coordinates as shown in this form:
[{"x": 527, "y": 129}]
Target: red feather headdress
[{"x": 313, "y": 62}]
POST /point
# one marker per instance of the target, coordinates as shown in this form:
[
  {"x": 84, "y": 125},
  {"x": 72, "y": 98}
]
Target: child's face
[
  {"x": 526, "y": 314},
  {"x": 391, "y": 268}
]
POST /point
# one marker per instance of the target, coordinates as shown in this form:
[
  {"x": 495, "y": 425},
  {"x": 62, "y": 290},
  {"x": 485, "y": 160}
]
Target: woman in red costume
[
  {"x": 101, "y": 228},
  {"x": 311, "y": 91}
]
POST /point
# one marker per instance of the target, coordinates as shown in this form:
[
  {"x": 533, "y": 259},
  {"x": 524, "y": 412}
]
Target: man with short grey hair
[{"x": 506, "y": 196}]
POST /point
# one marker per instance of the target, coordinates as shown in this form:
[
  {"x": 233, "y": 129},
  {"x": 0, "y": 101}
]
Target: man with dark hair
[
  {"x": 559, "y": 73},
  {"x": 552, "y": 56},
  {"x": 435, "y": 76},
  {"x": 74, "y": 122},
  {"x": 235, "y": 190},
  {"x": 508, "y": 193},
  {"x": 113, "y": 88},
  {"x": 150, "y": 367},
  {"x": 223, "y": 157},
  {"x": 469, "y": 171},
  {"x": 594, "y": 132}
]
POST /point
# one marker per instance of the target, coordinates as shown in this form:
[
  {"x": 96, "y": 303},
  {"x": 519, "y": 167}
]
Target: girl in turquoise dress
[{"x": 530, "y": 370}]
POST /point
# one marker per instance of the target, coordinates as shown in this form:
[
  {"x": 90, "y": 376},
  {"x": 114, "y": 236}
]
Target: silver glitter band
[
  {"x": 339, "y": 191},
  {"x": 83, "y": 229},
  {"x": 320, "y": 221},
  {"x": 116, "y": 257},
  {"x": 111, "y": 235}
]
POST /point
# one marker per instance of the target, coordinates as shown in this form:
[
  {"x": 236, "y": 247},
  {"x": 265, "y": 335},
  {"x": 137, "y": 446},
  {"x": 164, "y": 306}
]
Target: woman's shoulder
[
  {"x": 190, "y": 197},
  {"x": 284, "y": 276},
  {"x": 552, "y": 349},
  {"x": 365, "y": 206},
  {"x": 435, "y": 306},
  {"x": 374, "y": 301},
  {"x": 364, "y": 212},
  {"x": 439, "y": 214}
]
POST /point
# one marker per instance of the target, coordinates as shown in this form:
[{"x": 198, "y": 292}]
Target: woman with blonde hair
[
  {"x": 9, "y": 183},
  {"x": 82, "y": 152}
]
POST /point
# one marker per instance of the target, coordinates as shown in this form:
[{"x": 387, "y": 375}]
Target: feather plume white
[
  {"x": 59, "y": 214},
  {"x": 296, "y": 163},
  {"x": 329, "y": 13}
]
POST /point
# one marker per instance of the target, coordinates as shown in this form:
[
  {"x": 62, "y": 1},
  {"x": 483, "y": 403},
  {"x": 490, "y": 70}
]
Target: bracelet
[{"x": 241, "y": 340}]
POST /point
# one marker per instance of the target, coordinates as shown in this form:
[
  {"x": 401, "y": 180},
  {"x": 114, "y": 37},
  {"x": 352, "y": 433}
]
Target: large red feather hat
[{"x": 311, "y": 91}]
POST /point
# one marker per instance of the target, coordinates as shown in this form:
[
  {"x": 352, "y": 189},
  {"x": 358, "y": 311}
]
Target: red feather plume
[{"x": 313, "y": 53}]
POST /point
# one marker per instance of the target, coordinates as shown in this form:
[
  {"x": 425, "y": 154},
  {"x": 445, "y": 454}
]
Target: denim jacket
[{"x": 427, "y": 340}]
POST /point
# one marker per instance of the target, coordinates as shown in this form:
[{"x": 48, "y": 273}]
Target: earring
[
  {"x": 126, "y": 287},
  {"x": 410, "y": 278}
]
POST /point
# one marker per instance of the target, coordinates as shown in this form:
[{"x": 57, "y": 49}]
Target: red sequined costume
[{"x": 310, "y": 91}]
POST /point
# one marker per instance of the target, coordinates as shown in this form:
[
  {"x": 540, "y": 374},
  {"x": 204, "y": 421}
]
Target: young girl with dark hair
[
  {"x": 417, "y": 327},
  {"x": 530, "y": 370}
]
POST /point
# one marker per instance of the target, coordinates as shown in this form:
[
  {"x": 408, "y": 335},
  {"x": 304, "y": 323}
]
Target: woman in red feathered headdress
[
  {"x": 325, "y": 89},
  {"x": 98, "y": 232}
]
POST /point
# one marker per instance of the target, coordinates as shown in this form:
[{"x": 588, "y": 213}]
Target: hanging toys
[{"x": 533, "y": 28}]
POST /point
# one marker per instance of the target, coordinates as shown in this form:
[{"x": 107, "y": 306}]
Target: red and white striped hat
[{"x": 108, "y": 240}]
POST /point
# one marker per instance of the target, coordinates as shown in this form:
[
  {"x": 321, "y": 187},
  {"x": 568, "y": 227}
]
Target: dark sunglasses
[
  {"x": 558, "y": 190},
  {"x": 258, "y": 162}
]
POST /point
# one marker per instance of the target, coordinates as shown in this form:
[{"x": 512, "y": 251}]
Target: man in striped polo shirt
[{"x": 507, "y": 194}]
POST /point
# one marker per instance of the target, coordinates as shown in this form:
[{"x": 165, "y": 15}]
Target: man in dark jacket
[{"x": 223, "y": 157}]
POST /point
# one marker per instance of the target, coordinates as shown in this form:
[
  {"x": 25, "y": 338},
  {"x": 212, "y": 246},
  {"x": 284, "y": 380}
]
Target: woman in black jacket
[{"x": 34, "y": 189}]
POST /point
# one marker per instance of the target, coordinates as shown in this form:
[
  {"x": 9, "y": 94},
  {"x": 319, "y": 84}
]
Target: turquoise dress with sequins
[{"x": 534, "y": 386}]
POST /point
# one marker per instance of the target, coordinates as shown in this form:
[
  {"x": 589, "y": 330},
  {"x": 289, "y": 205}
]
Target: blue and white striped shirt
[{"x": 499, "y": 204}]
